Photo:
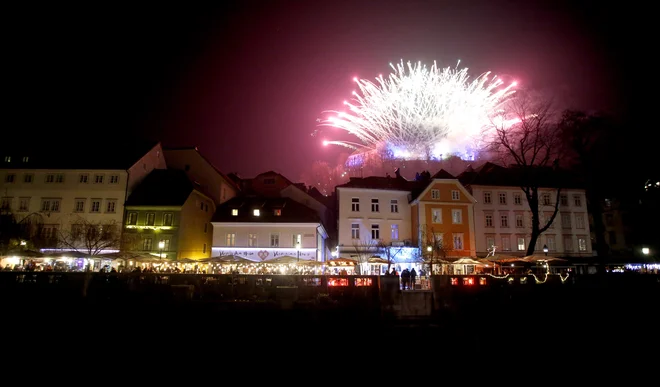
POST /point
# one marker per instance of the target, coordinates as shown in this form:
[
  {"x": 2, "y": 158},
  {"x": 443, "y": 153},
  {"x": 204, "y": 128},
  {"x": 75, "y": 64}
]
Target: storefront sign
[{"x": 264, "y": 254}]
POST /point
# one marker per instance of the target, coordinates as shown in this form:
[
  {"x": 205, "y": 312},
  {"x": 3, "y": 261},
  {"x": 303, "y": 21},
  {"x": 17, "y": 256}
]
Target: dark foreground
[{"x": 562, "y": 319}]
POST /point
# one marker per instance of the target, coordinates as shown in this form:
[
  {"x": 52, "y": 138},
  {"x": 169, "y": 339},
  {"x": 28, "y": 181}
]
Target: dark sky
[{"x": 245, "y": 82}]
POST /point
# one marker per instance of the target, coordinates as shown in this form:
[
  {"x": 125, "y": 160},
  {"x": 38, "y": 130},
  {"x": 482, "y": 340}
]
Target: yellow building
[
  {"x": 444, "y": 212},
  {"x": 169, "y": 217}
]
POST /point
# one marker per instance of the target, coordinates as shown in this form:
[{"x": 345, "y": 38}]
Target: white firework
[{"x": 421, "y": 112}]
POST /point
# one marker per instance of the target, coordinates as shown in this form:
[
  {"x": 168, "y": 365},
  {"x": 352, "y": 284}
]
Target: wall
[
  {"x": 447, "y": 205},
  {"x": 67, "y": 191},
  {"x": 201, "y": 171},
  {"x": 154, "y": 159},
  {"x": 365, "y": 217},
  {"x": 193, "y": 241},
  {"x": 497, "y": 231},
  {"x": 134, "y": 235}
]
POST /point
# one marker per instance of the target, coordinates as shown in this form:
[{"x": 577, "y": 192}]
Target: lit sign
[{"x": 259, "y": 254}]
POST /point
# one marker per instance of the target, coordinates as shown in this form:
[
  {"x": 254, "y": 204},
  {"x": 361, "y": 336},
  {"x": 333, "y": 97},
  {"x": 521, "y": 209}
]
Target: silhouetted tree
[{"x": 91, "y": 237}]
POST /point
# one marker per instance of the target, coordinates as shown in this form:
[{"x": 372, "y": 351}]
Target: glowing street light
[
  {"x": 545, "y": 250},
  {"x": 161, "y": 246},
  {"x": 646, "y": 251}
]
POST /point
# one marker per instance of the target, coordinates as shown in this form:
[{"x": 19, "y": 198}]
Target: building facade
[
  {"x": 443, "y": 214},
  {"x": 67, "y": 195},
  {"x": 502, "y": 216},
  {"x": 168, "y": 217},
  {"x": 263, "y": 228}
]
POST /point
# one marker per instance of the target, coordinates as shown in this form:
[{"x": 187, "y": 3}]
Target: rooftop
[
  {"x": 289, "y": 211},
  {"x": 162, "y": 187}
]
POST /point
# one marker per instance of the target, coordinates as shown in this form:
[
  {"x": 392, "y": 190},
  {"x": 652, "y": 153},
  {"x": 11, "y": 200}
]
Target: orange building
[{"x": 444, "y": 212}]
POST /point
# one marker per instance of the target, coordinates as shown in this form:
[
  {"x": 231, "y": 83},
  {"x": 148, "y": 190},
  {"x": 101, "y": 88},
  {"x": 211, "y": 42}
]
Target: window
[
  {"x": 487, "y": 198},
  {"x": 521, "y": 244},
  {"x": 96, "y": 205},
  {"x": 437, "y": 215},
  {"x": 79, "y": 205},
  {"x": 114, "y": 179},
  {"x": 98, "y": 179},
  {"x": 147, "y": 244},
  {"x": 206, "y": 228},
  {"x": 568, "y": 243},
  {"x": 49, "y": 232},
  {"x": 458, "y": 241},
  {"x": 489, "y": 220},
  {"x": 151, "y": 219},
  {"x": 502, "y": 197},
  {"x": 28, "y": 177},
  {"x": 252, "y": 240},
  {"x": 394, "y": 205},
  {"x": 26, "y": 159},
  {"x": 166, "y": 244},
  {"x": 50, "y": 178},
  {"x": 111, "y": 206},
  {"x": 76, "y": 231},
  {"x": 24, "y": 204},
  {"x": 167, "y": 219},
  {"x": 490, "y": 242},
  {"x": 204, "y": 249},
  {"x": 59, "y": 178},
  {"x": 517, "y": 199},
  {"x": 83, "y": 178},
  {"x": 577, "y": 200},
  {"x": 506, "y": 243},
  {"x": 234, "y": 212},
  {"x": 438, "y": 238},
  {"x": 566, "y": 220},
  {"x": 435, "y": 194},
  {"x": 297, "y": 240},
  {"x": 274, "y": 240},
  {"x": 10, "y": 178},
  {"x": 256, "y": 212},
  {"x": 355, "y": 231},
  {"x": 457, "y": 216},
  {"x": 546, "y": 199},
  {"x": 519, "y": 221},
  {"x": 504, "y": 221},
  {"x": 579, "y": 221},
  {"x": 355, "y": 204},
  {"x": 395, "y": 232},
  {"x": 7, "y": 159},
  {"x": 612, "y": 237},
  {"x": 455, "y": 195},
  {"x": 45, "y": 205},
  {"x": 375, "y": 231},
  {"x": 550, "y": 242},
  {"x": 563, "y": 200},
  {"x": 52, "y": 205},
  {"x": 375, "y": 207},
  {"x": 231, "y": 239},
  {"x": 269, "y": 181},
  {"x": 5, "y": 203},
  {"x": 582, "y": 243},
  {"x": 277, "y": 212},
  {"x": 132, "y": 218}
]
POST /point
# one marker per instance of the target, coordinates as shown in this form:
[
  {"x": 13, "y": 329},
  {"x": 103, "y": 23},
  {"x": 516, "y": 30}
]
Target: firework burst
[{"x": 420, "y": 112}]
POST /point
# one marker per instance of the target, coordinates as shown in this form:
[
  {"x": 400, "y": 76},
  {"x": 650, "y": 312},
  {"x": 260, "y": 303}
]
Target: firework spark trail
[{"x": 419, "y": 111}]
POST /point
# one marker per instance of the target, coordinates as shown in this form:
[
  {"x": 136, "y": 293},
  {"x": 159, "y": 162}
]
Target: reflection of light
[{"x": 149, "y": 227}]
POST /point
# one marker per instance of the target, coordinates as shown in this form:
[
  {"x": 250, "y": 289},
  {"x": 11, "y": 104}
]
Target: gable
[{"x": 445, "y": 187}]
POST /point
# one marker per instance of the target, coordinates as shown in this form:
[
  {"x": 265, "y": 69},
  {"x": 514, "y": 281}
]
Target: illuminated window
[
  {"x": 483, "y": 281},
  {"x": 458, "y": 241},
  {"x": 231, "y": 239},
  {"x": 277, "y": 212},
  {"x": 297, "y": 240},
  {"x": 521, "y": 244},
  {"x": 256, "y": 212},
  {"x": 582, "y": 243},
  {"x": 437, "y": 215},
  {"x": 234, "y": 212},
  {"x": 457, "y": 216},
  {"x": 395, "y": 232}
]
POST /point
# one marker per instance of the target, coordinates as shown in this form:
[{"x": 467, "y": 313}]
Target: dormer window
[
  {"x": 256, "y": 212},
  {"x": 234, "y": 212},
  {"x": 277, "y": 212},
  {"x": 7, "y": 159},
  {"x": 269, "y": 181},
  {"x": 25, "y": 159}
]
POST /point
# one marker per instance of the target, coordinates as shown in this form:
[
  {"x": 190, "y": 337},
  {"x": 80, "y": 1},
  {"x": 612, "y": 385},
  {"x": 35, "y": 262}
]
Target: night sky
[{"x": 246, "y": 82}]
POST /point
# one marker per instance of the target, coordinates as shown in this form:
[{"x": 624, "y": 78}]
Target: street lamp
[
  {"x": 545, "y": 250},
  {"x": 161, "y": 246},
  {"x": 23, "y": 243},
  {"x": 646, "y": 251}
]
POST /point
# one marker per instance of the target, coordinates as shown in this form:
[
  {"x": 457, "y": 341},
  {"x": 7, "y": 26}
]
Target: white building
[
  {"x": 63, "y": 191},
  {"x": 261, "y": 229},
  {"x": 371, "y": 211},
  {"x": 502, "y": 216}
]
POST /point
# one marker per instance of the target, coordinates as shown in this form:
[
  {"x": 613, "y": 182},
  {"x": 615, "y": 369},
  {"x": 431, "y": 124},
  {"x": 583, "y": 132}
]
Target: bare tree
[
  {"x": 389, "y": 251},
  {"x": 434, "y": 248},
  {"x": 91, "y": 237},
  {"x": 527, "y": 136},
  {"x": 364, "y": 249},
  {"x": 28, "y": 229}
]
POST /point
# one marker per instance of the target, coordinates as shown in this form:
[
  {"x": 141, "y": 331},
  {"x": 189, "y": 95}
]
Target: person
[
  {"x": 413, "y": 275},
  {"x": 405, "y": 278}
]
